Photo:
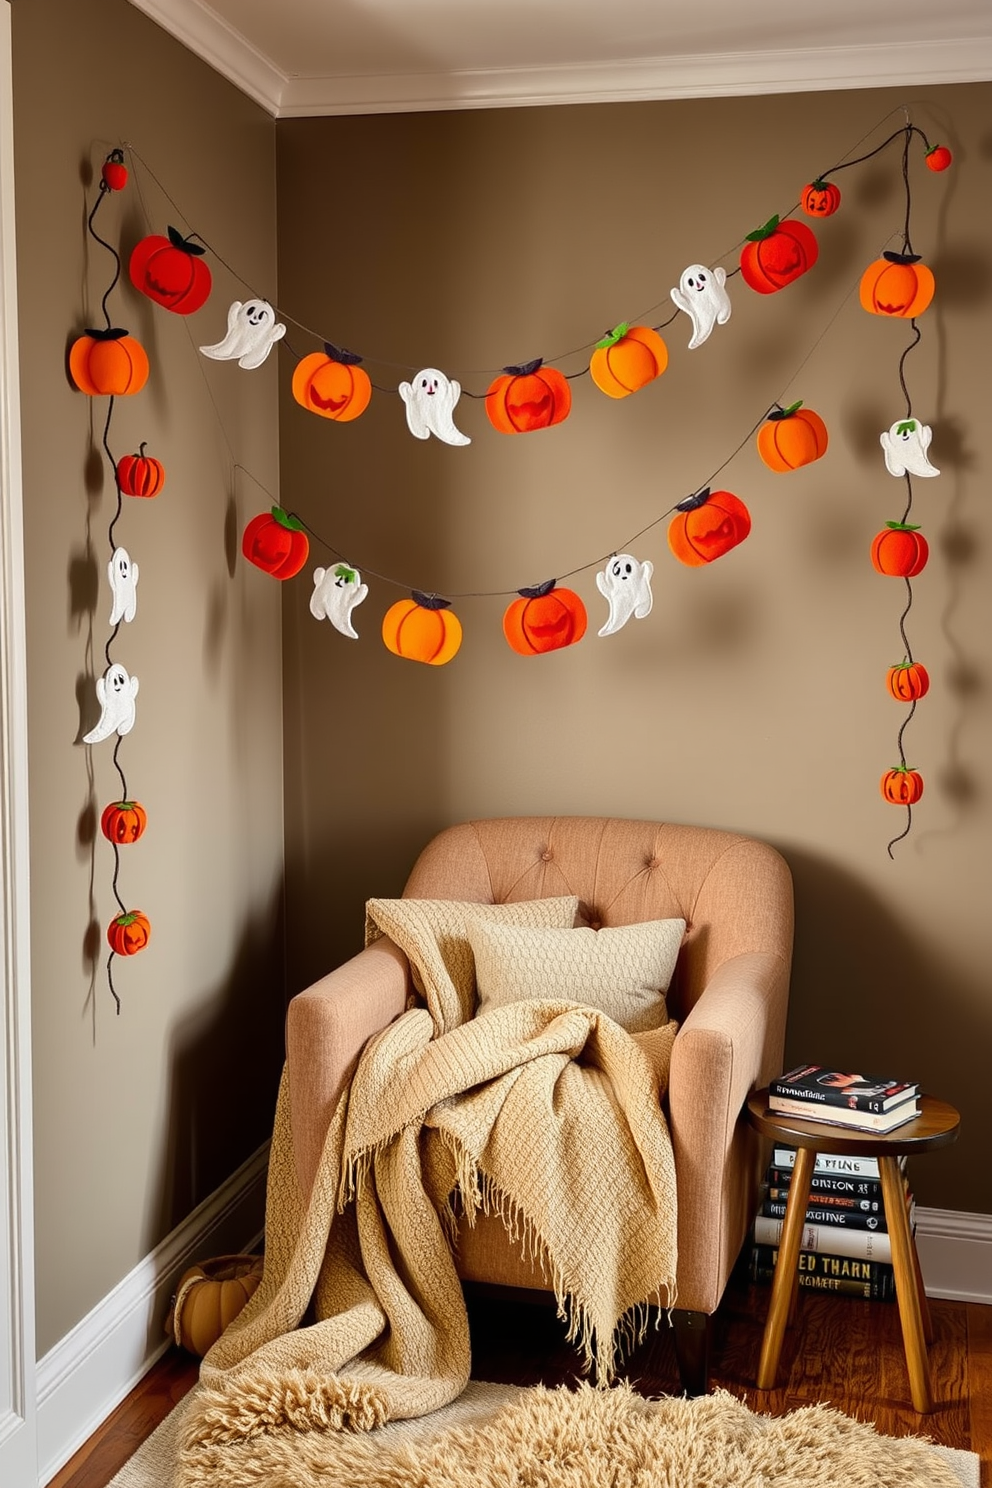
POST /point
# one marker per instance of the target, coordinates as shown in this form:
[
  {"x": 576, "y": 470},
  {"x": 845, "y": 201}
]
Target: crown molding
[{"x": 225, "y": 50}]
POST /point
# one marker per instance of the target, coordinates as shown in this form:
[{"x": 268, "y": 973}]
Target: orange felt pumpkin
[
  {"x": 332, "y": 384},
  {"x": 528, "y": 397},
  {"x": 108, "y": 362},
  {"x": 776, "y": 254},
  {"x": 820, "y": 198},
  {"x": 140, "y": 474},
  {"x": 901, "y": 551},
  {"x": 626, "y": 359},
  {"x": 209, "y": 1297},
  {"x": 708, "y": 525},
  {"x": 901, "y": 785},
  {"x": 792, "y": 437},
  {"x": 422, "y": 628},
  {"x": 129, "y": 933},
  {"x": 898, "y": 284},
  {"x": 123, "y": 822},
  {"x": 275, "y": 542},
  {"x": 544, "y": 618},
  {"x": 908, "y": 681}
]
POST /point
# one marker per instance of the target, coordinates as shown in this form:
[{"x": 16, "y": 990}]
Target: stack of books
[{"x": 859, "y": 1102}]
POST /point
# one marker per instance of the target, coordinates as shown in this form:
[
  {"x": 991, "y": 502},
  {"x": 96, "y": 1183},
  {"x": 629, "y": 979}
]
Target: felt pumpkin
[
  {"x": 626, "y": 359},
  {"x": 708, "y": 525},
  {"x": 938, "y": 157},
  {"x": 114, "y": 172},
  {"x": 422, "y": 628},
  {"x": 171, "y": 271},
  {"x": 820, "y": 198},
  {"x": 908, "y": 681},
  {"x": 901, "y": 551},
  {"x": 776, "y": 254},
  {"x": 140, "y": 474},
  {"x": 209, "y": 1297},
  {"x": 332, "y": 384},
  {"x": 108, "y": 362},
  {"x": 544, "y": 618},
  {"x": 792, "y": 437},
  {"x": 123, "y": 822},
  {"x": 276, "y": 542},
  {"x": 901, "y": 785},
  {"x": 129, "y": 933},
  {"x": 897, "y": 284},
  {"x": 528, "y": 397}
]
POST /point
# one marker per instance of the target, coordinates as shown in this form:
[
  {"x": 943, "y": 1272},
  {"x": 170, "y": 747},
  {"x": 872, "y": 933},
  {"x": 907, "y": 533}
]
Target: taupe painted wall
[
  {"x": 753, "y": 697},
  {"x": 139, "y": 1117}
]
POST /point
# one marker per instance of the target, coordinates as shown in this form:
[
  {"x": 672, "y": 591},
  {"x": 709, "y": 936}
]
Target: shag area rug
[{"x": 498, "y": 1436}]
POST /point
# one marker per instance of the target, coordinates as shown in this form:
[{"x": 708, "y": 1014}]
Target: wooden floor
[{"x": 843, "y": 1352}]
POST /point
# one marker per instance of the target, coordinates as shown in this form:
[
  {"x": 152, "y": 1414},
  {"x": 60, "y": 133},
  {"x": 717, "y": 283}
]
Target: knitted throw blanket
[{"x": 543, "y": 1112}]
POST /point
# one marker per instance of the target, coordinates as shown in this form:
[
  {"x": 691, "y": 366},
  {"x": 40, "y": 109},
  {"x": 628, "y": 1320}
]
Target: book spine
[
  {"x": 820, "y": 1095},
  {"x": 872, "y": 1291},
  {"x": 816, "y": 1263},
  {"x": 842, "y": 1201},
  {"x": 868, "y": 1245},
  {"x": 844, "y": 1186},
  {"x": 829, "y": 1163},
  {"x": 819, "y": 1214}
]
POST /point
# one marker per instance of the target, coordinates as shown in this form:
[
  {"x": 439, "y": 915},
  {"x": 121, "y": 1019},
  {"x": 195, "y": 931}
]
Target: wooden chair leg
[
  {"x": 908, "y": 1292},
  {"x": 693, "y": 1337}
]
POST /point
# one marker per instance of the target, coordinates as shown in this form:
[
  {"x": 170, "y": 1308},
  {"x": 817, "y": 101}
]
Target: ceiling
[{"x": 307, "y": 57}]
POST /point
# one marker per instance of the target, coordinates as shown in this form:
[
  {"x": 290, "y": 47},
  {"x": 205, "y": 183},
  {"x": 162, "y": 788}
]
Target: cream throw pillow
[{"x": 622, "y": 970}]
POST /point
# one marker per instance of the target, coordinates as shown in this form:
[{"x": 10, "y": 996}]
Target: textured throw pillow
[
  {"x": 623, "y": 970},
  {"x": 432, "y": 934}
]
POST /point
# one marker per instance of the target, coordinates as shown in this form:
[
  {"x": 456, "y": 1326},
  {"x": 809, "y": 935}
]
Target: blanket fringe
[{"x": 258, "y": 1404}]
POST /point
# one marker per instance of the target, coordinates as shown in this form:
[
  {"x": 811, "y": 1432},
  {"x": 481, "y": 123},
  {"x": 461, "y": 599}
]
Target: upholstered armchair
[{"x": 729, "y": 995}]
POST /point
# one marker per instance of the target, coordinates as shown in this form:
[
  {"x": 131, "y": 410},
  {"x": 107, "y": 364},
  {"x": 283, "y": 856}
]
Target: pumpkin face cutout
[
  {"x": 332, "y": 384},
  {"x": 900, "y": 551},
  {"x": 109, "y": 363},
  {"x": 528, "y": 397},
  {"x": 777, "y": 253},
  {"x": 123, "y": 822},
  {"x": 129, "y": 933},
  {"x": 422, "y": 628},
  {"x": 908, "y": 681},
  {"x": 897, "y": 284},
  {"x": 140, "y": 474},
  {"x": 792, "y": 437},
  {"x": 627, "y": 359},
  {"x": 708, "y": 525},
  {"x": 171, "y": 271},
  {"x": 902, "y": 786},
  {"x": 275, "y": 542},
  {"x": 820, "y": 198},
  {"x": 544, "y": 618}
]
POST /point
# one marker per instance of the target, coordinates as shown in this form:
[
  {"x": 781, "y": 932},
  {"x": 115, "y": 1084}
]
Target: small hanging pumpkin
[
  {"x": 129, "y": 933},
  {"x": 898, "y": 284},
  {"x": 908, "y": 681},
  {"x": 171, "y": 271},
  {"x": 900, "y": 551},
  {"x": 708, "y": 525},
  {"x": 140, "y": 474},
  {"x": 422, "y": 628},
  {"x": 792, "y": 437},
  {"x": 123, "y": 822},
  {"x": 276, "y": 542},
  {"x": 113, "y": 173},
  {"x": 108, "y": 362},
  {"x": 332, "y": 384},
  {"x": 627, "y": 358},
  {"x": 209, "y": 1297},
  {"x": 820, "y": 198},
  {"x": 938, "y": 157},
  {"x": 776, "y": 254},
  {"x": 544, "y": 618},
  {"x": 528, "y": 397},
  {"x": 901, "y": 785}
]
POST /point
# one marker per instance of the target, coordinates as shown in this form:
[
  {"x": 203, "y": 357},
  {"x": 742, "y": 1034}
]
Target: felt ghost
[
  {"x": 625, "y": 584},
  {"x": 123, "y": 576},
  {"x": 336, "y": 592},
  {"x": 905, "y": 446},
  {"x": 252, "y": 331},
  {"x": 115, "y": 692},
  {"x": 430, "y": 403},
  {"x": 701, "y": 294}
]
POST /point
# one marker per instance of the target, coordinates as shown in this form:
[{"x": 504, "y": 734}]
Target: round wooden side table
[{"x": 935, "y": 1126}]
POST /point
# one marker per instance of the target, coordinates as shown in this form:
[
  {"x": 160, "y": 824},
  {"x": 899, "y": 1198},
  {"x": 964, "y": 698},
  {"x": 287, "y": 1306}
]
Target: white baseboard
[
  {"x": 955, "y": 1251},
  {"x": 91, "y": 1369}
]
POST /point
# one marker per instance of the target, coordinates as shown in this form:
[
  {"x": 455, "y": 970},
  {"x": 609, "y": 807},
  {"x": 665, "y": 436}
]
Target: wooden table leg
[
  {"x": 786, "y": 1268},
  {"x": 905, "y": 1266}
]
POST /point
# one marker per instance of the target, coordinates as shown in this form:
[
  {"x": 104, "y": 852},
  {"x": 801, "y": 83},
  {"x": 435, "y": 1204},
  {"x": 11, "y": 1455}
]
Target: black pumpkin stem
[
  {"x": 525, "y": 368},
  {"x": 538, "y": 591},
  {"x": 692, "y": 502},
  {"x": 430, "y": 601},
  {"x": 902, "y": 258},
  {"x": 339, "y": 354},
  {"x": 185, "y": 245},
  {"x": 111, "y": 333}
]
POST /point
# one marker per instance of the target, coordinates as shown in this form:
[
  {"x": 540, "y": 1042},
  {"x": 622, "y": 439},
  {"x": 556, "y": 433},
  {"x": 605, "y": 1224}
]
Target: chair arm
[{"x": 327, "y": 1026}]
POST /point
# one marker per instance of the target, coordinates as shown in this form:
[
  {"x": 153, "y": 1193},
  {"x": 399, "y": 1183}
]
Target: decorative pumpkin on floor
[
  {"x": 276, "y": 542},
  {"x": 901, "y": 785},
  {"x": 171, "y": 271},
  {"x": 140, "y": 474},
  {"x": 792, "y": 437},
  {"x": 776, "y": 254},
  {"x": 708, "y": 525},
  {"x": 209, "y": 1297},
  {"x": 422, "y": 628},
  {"x": 528, "y": 397},
  {"x": 544, "y": 618},
  {"x": 897, "y": 284},
  {"x": 900, "y": 551},
  {"x": 626, "y": 359},
  {"x": 820, "y": 198},
  {"x": 332, "y": 384},
  {"x": 908, "y": 681},
  {"x": 111, "y": 363}
]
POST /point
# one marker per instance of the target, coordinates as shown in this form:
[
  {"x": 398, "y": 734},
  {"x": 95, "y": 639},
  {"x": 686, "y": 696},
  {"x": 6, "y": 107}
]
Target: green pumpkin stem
[
  {"x": 903, "y": 526},
  {"x": 287, "y": 519},
  {"x": 764, "y": 232},
  {"x": 612, "y": 337},
  {"x": 784, "y": 413}
]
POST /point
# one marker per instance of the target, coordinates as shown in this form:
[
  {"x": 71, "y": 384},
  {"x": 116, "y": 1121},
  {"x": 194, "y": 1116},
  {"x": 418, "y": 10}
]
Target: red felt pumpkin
[
  {"x": 627, "y": 358},
  {"x": 901, "y": 551},
  {"x": 332, "y": 384},
  {"x": 140, "y": 474},
  {"x": 528, "y": 397},
  {"x": 544, "y": 618},
  {"x": 108, "y": 362},
  {"x": 908, "y": 681},
  {"x": 171, "y": 271},
  {"x": 114, "y": 171},
  {"x": 123, "y": 822},
  {"x": 901, "y": 785},
  {"x": 129, "y": 933},
  {"x": 276, "y": 542},
  {"x": 938, "y": 157},
  {"x": 820, "y": 198},
  {"x": 776, "y": 254},
  {"x": 897, "y": 284},
  {"x": 792, "y": 437},
  {"x": 708, "y": 525},
  {"x": 422, "y": 628}
]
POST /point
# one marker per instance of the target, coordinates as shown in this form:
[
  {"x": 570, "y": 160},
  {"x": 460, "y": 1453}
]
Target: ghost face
[
  {"x": 336, "y": 592},
  {"x": 702, "y": 296},
  {"x": 430, "y": 402},
  {"x": 905, "y": 446},
  {"x": 625, "y": 584},
  {"x": 123, "y": 576},
  {"x": 252, "y": 331},
  {"x": 115, "y": 691}
]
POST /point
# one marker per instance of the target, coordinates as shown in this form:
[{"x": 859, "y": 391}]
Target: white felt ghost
[
  {"x": 905, "y": 446},
  {"x": 123, "y": 576},
  {"x": 701, "y": 294},
  {"x": 430, "y": 404},
  {"x": 115, "y": 692},
  {"x": 252, "y": 331},
  {"x": 625, "y": 584},
  {"x": 336, "y": 592}
]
